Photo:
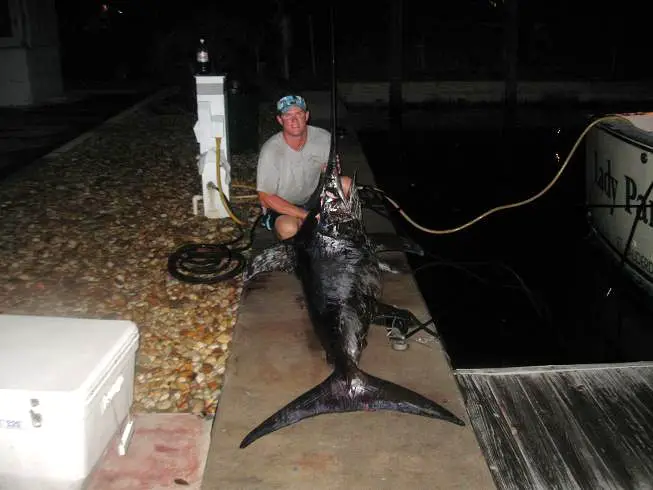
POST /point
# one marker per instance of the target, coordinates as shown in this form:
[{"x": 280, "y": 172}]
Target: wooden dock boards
[{"x": 564, "y": 427}]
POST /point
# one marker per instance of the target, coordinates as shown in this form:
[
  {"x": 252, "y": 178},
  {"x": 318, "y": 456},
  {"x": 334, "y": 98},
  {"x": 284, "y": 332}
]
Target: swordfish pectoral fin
[{"x": 279, "y": 257}]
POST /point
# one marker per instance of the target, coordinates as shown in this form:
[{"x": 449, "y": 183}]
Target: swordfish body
[{"x": 342, "y": 282}]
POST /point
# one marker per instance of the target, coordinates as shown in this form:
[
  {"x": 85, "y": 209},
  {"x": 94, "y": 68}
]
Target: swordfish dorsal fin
[{"x": 279, "y": 257}]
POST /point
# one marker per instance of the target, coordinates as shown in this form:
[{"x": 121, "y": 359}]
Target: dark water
[{"x": 523, "y": 286}]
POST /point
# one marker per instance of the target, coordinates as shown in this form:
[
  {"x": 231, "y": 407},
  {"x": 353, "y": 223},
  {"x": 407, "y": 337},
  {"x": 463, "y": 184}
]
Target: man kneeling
[{"x": 289, "y": 167}]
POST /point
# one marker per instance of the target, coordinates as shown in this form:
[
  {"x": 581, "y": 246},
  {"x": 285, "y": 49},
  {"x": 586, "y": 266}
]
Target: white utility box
[
  {"x": 66, "y": 388},
  {"x": 212, "y": 122}
]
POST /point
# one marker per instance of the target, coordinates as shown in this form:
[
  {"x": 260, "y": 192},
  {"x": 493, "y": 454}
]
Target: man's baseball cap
[{"x": 288, "y": 101}]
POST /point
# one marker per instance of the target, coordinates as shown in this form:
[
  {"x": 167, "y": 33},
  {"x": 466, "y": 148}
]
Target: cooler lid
[{"x": 44, "y": 353}]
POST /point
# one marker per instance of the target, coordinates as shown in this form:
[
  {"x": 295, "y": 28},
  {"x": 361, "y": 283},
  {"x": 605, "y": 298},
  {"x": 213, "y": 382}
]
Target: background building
[{"x": 30, "y": 66}]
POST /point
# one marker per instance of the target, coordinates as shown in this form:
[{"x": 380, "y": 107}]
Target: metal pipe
[{"x": 333, "y": 151}]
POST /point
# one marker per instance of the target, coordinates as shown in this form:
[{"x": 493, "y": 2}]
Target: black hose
[{"x": 208, "y": 263}]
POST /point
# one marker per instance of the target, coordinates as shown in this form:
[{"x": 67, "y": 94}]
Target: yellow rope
[
  {"x": 225, "y": 202},
  {"x": 227, "y": 206}
]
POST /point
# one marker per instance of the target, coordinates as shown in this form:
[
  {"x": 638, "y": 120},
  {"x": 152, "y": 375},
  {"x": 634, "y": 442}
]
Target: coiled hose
[{"x": 208, "y": 263}]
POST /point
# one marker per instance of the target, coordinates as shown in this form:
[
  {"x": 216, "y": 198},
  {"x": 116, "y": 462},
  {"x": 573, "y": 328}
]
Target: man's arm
[{"x": 281, "y": 206}]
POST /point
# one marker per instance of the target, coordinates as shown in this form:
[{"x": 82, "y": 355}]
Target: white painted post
[{"x": 211, "y": 124}]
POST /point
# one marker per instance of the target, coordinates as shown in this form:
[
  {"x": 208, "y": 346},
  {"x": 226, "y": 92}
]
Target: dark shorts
[{"x": 268, "y": 219}]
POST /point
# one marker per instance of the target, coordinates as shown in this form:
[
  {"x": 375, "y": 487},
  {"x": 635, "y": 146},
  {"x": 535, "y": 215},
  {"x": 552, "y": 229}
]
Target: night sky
[{"x": 454, "y": 40}]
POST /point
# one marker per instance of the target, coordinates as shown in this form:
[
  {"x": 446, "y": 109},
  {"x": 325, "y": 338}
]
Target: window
[{"x": 5, "y": 20}]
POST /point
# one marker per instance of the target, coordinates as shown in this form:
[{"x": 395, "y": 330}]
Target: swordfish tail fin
[{"x": 351, "y": 392}]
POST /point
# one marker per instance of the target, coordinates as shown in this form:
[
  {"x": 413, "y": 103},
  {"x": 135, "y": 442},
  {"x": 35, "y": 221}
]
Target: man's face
[{"x": 294, "y": 121}]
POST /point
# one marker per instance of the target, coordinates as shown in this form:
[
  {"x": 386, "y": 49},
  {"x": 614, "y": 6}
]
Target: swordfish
[{"x": 341, "y": 276}]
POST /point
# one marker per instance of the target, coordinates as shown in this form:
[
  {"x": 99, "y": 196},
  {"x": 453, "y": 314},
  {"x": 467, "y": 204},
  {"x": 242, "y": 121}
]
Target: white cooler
[{"x": 66, "y": 387}]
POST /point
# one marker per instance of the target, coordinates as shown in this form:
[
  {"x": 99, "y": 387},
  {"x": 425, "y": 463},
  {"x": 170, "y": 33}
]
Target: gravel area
[{"x": 88, "y": 235}]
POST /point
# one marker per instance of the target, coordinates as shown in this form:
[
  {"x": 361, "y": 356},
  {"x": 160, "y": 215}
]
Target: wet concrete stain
[{"x": 159, "y": 456}]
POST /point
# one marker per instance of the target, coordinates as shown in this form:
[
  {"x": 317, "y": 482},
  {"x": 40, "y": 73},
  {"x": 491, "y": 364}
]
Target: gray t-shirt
[{"x": 291, "y": 174}]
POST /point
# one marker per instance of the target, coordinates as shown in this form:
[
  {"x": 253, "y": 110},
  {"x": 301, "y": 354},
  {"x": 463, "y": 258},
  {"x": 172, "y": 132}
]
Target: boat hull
[{"x": 619, "y": 193}]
